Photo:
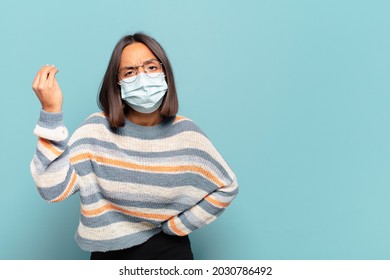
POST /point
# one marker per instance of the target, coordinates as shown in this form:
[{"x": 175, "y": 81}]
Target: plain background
[{"x": 294, "y": 94}]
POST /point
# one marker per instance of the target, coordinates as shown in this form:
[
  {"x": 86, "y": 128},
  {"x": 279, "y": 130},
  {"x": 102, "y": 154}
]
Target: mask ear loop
[
  {"x": 123, "y": 103},
  {"x": 119, "y": 82}
]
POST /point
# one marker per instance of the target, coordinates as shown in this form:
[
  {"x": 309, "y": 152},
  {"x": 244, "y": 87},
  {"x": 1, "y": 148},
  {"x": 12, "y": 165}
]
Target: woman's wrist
[{"x": 52, "y": 109}]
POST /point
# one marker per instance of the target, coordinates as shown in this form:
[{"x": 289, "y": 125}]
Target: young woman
[{"x": 146, "y": 177}]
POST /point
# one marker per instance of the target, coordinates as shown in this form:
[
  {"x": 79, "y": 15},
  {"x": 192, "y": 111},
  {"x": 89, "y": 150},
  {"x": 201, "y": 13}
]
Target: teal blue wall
[{"x": 294, "y": 94}]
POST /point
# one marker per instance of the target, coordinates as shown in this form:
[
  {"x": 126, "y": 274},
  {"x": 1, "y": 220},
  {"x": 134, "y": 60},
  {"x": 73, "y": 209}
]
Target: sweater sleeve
[
  {"x": 212, "y": 204},
  {"x": 54, "y": 176}
]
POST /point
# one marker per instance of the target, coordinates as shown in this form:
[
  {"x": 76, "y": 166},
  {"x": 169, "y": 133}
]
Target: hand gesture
[{"x": 47, "y": 89}]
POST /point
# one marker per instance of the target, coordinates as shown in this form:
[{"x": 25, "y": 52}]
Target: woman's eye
[
  {"x": 152, "y": 68},
  {"x": 129, "y": 73}
]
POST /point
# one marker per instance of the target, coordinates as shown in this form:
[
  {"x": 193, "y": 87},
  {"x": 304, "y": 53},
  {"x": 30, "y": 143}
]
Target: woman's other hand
[{"x": 47, "y": 89}]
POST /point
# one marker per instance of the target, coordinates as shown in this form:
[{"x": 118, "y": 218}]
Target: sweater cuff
[
  {"x": 50, "y": 126},
  {"x": 165, "y": 228}
]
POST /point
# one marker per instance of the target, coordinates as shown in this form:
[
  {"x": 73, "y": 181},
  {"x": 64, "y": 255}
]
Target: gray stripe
[
  {"x": 166, "y": 229},
  {"x": 193, "y": 220},
  {"x": 116, "y": 243},
  {"x": 50, "y": 120},
  {"x": 84, "y": 168},
  {"x": 44, "y": 165},
  {"x": 60, "y": 144},
  {"x": 177, "y": 205},
  {"x": 187, "y": 223},
  {"x": 231, "y": 194},
  {"x": 112, "y": 217},
  {"x": 208, "y": 207}
]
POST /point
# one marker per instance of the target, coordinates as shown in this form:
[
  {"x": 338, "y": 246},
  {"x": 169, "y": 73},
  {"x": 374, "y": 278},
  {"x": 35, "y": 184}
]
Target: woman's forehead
[{"x": 135, "y": 54}]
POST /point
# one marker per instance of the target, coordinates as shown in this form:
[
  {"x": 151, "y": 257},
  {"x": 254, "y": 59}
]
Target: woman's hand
[{"x": 47, "y": 89}]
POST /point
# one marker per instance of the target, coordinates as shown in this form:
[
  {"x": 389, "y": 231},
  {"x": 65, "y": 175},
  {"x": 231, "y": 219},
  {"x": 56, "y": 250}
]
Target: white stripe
[
  {"x": 112, "y": 231},
  {"x": 184, "y": 140},
  {"x": 57, "y": 134},
  {"x": 153, "y": 211}
]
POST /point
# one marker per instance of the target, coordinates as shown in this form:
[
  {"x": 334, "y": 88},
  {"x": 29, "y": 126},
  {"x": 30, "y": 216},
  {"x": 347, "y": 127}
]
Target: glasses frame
[{"x": 136, "y": 71}]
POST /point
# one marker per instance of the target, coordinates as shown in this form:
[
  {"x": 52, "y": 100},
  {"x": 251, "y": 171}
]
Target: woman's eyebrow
[{"x": 133, "y": 66}]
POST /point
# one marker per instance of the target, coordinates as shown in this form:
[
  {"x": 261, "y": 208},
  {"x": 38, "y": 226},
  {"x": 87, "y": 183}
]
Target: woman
[{"x": 146, "y": 177}]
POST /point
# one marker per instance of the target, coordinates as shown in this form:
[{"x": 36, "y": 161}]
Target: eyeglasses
[{"x": 128, "y": 74}]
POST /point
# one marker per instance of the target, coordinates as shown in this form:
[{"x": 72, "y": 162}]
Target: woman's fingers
[
  {"x": 43, "y": 77},
  {"x": 36, "y": 82},
  {"x": 51, "y": 77},
  {"x": 37, "y": 78}
]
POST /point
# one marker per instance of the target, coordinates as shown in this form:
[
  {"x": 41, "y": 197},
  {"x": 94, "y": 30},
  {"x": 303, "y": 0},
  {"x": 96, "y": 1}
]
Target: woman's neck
[{"x": 144, "y": 119}]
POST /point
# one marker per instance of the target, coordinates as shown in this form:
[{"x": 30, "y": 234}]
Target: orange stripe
[
  {"x": 175, "y": 229},
  {"x": 179, "y": 118},
  {"x": 110, "y": 207},
  {"x": 217, "y": 203},
  {"x": 68, "y": 188},
  {"x": 47, "y": 144},
  {"x": 123, "y": 164}
]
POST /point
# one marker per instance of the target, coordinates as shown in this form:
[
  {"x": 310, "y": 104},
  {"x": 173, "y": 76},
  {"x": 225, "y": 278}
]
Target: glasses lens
[
  {"x": 128, "y": 74},
  {"x": 153, "y": 68},
  {"x": 154, "y": 75},
  {"x": 129, "y": 80}
]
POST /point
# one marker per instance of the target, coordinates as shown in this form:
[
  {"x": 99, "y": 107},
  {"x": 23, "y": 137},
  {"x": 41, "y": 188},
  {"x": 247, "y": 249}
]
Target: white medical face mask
[{"x": 143, "y": 93}]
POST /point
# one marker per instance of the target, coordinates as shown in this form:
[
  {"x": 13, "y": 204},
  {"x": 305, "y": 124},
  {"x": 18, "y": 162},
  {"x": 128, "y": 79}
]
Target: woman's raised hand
[{"x": 47, "y": 89}]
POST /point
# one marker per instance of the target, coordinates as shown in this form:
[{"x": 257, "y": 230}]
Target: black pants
[{"x": 159, "y": 247}]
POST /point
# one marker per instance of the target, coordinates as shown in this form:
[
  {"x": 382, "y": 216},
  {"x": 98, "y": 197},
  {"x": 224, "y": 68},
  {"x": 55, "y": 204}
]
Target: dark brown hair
[{"x": 109, "y": 99}]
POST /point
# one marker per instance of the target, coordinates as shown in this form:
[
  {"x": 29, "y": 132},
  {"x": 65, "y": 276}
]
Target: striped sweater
[{"x": 134, "y": 181}]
